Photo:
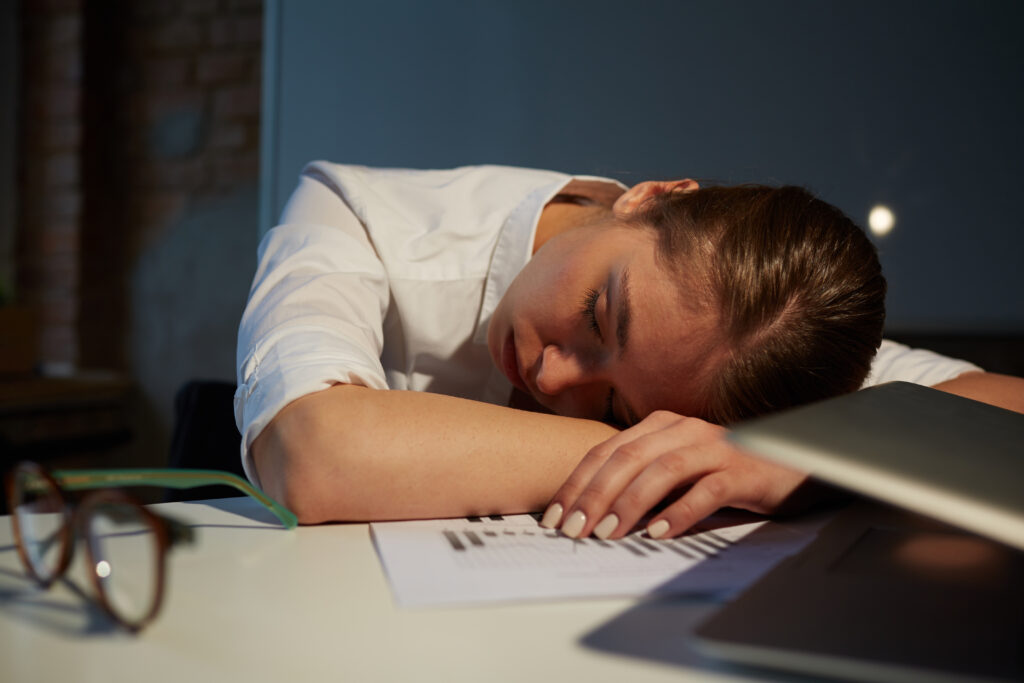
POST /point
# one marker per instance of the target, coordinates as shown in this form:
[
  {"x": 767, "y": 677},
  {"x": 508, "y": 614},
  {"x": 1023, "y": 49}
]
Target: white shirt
[
  {"x": 899, "y": 362},
  {"x": 385, "y": 278},
  {"x": 388, "y": 278}
]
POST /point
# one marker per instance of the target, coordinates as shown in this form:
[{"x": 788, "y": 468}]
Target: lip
[{"x": 510, "y": 363}]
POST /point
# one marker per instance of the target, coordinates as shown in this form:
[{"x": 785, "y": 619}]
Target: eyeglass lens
[
  {"x": 120, "y": 539},
  {"x": 42, "y": 517}
]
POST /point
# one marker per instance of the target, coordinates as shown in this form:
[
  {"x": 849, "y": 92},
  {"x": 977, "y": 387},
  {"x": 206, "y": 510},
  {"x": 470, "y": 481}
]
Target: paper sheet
[{"x": 511, "y": 558}]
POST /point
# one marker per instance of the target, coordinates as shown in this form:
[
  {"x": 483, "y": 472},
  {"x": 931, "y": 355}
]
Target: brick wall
[
  {"x": 49, "y": 192},
  {"x": 193, "y": 89},
  {"x": 132, "y": 111}
]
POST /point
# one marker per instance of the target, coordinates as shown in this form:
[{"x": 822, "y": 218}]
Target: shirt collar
[{"x": 515, "y": 247}]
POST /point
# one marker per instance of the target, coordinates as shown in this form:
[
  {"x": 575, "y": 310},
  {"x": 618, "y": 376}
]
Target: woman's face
[{"x": 595, "y": 327}]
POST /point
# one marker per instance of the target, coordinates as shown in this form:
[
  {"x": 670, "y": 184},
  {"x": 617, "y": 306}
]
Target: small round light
[
  {"x": 881, "y": 220},
  {"x": 103, "y": 569}
]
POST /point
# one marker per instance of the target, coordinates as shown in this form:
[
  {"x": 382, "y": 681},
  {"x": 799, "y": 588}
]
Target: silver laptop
[{"x": 920, "y": 579}]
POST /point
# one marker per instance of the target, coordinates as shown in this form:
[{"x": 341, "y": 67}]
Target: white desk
[{"x": 252, "y": 602}]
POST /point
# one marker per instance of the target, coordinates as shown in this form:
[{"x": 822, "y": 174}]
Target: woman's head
[
  {"x": 594, "y": 327},
  {"x": 719, "y": 303},
  {"x": 797, "y": 286}
]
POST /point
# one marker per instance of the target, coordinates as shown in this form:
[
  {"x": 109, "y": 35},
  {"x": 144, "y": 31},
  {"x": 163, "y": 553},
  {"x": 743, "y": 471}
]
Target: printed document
[{"x": 507, "y": 558}]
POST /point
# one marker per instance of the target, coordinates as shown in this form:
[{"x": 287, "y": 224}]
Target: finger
[
  {"x": 733, "y": 479},
  {"x": 613, "y": 483},
  {"x": 592, "y": 462},
  {"x": 569, "y": 491},
  {"x": 706, "y": 496},
  {"x": 590, "y": 507},
  {"x": 677, "y": 466}
]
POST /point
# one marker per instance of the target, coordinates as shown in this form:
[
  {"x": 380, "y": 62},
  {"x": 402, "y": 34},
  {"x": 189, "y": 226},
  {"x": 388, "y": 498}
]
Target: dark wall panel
[{"x": 916, "y": 105}]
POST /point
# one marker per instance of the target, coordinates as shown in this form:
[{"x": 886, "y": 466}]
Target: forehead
[{"x": 672, "y": 350}]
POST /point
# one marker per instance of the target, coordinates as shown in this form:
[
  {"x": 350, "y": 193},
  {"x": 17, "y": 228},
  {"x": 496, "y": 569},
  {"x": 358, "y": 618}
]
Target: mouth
[{"x": 510, "y": 364}]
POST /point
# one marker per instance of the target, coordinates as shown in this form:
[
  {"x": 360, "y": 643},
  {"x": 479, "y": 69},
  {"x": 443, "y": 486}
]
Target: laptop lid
[
  {"x": 884, "y": 593},
  {"x": 949, "y": 457}
]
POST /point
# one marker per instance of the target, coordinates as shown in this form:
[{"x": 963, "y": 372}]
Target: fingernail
[
  {"x": 552, "y": 516},
  {"x": 574, "y": 525},
  {"x": 658, "y": 529},
  {"x": 607, "y": 525}
]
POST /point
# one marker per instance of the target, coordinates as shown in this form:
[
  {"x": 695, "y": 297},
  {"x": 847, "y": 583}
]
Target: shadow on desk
[
  {"x": 661, "y": 627},
  {"x": 76, "y": 615},
  {"x": 68, "y": 609},
  {"x": 662, "y": 630}
]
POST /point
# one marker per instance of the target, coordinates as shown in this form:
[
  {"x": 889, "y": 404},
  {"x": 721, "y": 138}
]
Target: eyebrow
[
  {"x": 624, "y": 315},
  {"x": 625, "y": 312}
]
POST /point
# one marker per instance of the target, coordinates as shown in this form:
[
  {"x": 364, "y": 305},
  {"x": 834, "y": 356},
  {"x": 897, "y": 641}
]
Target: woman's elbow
[
  {"x": 283, "y": 475},
  {"x": 303, "y": 468}
]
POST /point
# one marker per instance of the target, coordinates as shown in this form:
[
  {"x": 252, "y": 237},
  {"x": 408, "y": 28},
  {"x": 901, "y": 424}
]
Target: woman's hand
[{"x": 666, "y": 454}]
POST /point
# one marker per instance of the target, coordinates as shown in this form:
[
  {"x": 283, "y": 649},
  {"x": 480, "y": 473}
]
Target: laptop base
[{"x": 882, "y": 594}]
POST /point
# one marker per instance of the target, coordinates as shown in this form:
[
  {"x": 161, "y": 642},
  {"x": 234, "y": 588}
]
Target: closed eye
[{"x": 589, "y": 312}]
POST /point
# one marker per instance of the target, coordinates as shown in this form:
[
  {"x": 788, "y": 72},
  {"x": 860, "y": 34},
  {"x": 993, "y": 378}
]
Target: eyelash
[{"x": 590, "y": 311}]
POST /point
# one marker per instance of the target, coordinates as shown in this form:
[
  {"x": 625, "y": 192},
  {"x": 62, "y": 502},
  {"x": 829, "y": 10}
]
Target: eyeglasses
[{"x": 126, "y": 543}]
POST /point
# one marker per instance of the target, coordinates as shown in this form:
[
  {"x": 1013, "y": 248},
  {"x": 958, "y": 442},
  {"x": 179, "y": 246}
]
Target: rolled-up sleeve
[
  {"x": 896, "y": 361},
  {"x": 315, "y": 312}
]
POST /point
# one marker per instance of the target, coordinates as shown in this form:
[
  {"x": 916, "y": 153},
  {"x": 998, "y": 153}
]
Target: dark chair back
[{"x": 205, "y": 436}]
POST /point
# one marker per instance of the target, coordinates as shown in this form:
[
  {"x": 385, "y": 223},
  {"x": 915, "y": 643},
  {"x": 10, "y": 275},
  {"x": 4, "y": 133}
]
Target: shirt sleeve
[
  {"x": 315, "y": 312},
  {"x": 897, "y": 362}
]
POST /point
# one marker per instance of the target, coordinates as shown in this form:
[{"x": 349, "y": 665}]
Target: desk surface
[{"x": 250, "y": 601}]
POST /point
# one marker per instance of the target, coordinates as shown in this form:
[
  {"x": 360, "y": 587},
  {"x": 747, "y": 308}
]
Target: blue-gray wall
[{"x": 917, "y": 105}]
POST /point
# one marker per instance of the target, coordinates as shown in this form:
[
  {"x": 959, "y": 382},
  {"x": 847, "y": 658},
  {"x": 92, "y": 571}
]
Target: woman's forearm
[
  {"x": 352, "y": 453},
  {"x": 1004, "y": 391}
]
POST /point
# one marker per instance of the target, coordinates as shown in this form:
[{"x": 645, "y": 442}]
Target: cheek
[
  {"x": 555, "y": 277},
  {"x": 548, "y": 293},
  {"x": 556, "y": 299},
  {"x": 538, "y": 287}
]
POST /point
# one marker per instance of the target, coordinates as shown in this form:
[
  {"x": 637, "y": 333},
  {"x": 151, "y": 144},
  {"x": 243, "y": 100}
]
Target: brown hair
[{"x": 797, "y": 285}]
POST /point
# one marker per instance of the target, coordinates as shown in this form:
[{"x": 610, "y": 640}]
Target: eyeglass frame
[{"x": 167, "y": 530}]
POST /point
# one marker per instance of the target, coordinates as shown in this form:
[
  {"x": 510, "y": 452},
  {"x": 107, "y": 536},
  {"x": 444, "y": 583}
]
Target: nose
[{"x": 559, "y": 370}]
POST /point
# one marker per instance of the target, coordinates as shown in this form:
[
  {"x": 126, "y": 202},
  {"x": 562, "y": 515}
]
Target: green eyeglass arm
[{"x": 170, "y": 478}]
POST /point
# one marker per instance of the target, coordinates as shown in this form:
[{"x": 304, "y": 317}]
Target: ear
[{"x": 632, "y": 198}]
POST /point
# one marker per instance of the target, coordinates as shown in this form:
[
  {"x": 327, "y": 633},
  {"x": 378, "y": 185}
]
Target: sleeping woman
[{"x": 495, "y": 340}]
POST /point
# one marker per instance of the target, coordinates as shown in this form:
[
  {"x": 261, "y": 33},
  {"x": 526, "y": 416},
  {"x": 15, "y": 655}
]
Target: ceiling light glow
[{"x": 881, "y": 220}]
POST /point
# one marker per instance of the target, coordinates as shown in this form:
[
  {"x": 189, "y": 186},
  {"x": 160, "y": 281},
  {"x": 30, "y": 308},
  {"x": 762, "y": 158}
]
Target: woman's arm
[
  {"x": 667, "y": 455},
  {"x": 311, "y": 340},
  {"x": 988, "y": 387},
  {"x": 353, "y": 453}
]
